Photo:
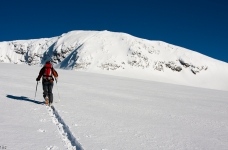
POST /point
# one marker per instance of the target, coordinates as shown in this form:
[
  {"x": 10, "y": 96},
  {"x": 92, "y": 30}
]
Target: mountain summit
[{"x": 119, "y": 54}]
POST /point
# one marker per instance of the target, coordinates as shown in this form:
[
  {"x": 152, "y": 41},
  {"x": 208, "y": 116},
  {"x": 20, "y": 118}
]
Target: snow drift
[{"x": 119, "y": 54}]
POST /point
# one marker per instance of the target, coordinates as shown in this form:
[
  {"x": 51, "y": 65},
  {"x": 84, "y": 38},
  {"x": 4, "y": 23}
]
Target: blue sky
[{"x": 199, "y": 25}]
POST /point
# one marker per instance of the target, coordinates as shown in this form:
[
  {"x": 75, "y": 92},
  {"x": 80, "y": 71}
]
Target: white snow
[
  {"x": 120, "y": 54},
  {"x": 103, "y": 112}
]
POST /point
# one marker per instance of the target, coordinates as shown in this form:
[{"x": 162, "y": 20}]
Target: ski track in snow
[{"x": 70, "y": 141}]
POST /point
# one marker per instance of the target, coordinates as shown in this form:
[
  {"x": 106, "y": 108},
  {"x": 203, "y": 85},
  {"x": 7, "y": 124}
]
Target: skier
[{"x": 47, "y": 73}]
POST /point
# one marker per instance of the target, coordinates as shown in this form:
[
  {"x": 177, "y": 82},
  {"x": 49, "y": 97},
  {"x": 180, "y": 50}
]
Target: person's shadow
[{"x": 23, "y": 98}]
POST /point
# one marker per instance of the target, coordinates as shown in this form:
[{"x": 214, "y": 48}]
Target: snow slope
[
  {"x": 102, "y": 112},
  {"x": 120, "y": 54}
]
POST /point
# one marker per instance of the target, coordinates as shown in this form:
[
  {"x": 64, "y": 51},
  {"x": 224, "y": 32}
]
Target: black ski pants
[{"x": 47, "y": 88}]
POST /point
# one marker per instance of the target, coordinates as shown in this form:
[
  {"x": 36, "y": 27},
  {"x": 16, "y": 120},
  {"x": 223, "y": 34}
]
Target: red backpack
[{"x": 47, "y": 72}]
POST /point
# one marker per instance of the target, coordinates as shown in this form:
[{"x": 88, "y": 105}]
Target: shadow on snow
[{"x": 23, "y": 98}]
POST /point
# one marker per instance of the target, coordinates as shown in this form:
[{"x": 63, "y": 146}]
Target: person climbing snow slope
[{"x": 47, "y": 73}]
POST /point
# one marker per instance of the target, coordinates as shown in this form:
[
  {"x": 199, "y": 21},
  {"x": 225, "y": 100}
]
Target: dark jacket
[{"x": 54, "y": 73}]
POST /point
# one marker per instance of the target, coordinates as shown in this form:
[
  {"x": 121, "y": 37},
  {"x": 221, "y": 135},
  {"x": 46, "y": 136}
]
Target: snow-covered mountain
[{"x": 119, "y": 54}]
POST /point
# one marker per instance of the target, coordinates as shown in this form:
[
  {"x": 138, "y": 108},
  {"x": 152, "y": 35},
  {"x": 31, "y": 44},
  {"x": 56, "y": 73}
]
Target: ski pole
[
  {"x": 57, "y": 88},
  {"x": 36, "y": 90}
]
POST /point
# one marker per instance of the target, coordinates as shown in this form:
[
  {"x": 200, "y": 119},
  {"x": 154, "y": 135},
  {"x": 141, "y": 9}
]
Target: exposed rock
[
  {"x": 110, "y": 66},
  {"x": 158, "y": 65},
  {"x": 178, "y": 68},
  {"x": 183, "y": 63},
  {"x": 82, "y": 65},
  {"x": 172, "y": 65}
]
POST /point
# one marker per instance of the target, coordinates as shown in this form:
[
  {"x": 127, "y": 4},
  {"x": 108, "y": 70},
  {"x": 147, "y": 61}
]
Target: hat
[{"x": 48, "y": 62}]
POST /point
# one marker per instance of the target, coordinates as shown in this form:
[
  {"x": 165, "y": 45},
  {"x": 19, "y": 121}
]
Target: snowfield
[
  {"x": 104, "y": 112},
  {"x": 120, "y": 54}
]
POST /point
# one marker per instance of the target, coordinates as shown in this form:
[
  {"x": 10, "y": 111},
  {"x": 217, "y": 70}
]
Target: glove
[
  {"x": 37, "y": 79},
  {"x": 56, "y": 79}
]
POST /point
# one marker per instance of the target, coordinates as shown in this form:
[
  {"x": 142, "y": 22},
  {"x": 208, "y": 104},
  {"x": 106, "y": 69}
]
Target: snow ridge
[
  {"x": 119, "y": 54},
  {"x": 70, "y": 141}
]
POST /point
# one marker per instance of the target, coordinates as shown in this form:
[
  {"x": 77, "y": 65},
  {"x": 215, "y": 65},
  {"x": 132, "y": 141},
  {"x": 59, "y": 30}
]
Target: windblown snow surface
[
  {"x": 102, "y": 112},
  {"x": 120, "y": 54}
]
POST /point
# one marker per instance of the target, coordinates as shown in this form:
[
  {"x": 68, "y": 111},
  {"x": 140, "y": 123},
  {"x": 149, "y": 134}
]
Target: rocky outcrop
[
  {"x": 194, "y": 69},
  {"x": 173, "y": 66}
]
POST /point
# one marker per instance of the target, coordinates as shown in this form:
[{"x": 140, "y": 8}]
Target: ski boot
[{"x": 46, "y": 100}]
